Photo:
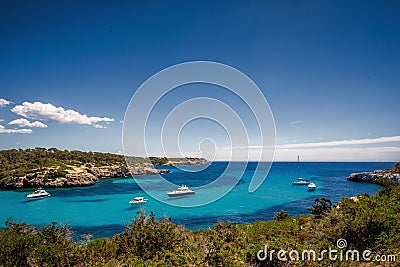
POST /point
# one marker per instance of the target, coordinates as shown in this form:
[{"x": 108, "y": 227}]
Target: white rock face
[{"x": 375, "y": 177}]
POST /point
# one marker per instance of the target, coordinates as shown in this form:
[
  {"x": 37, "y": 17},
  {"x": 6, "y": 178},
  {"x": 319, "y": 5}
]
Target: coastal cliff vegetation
[
  {"x": 381, "y": 177},
  {"x": 366, "y": 222},
  {"x": 63, "y": 168}
]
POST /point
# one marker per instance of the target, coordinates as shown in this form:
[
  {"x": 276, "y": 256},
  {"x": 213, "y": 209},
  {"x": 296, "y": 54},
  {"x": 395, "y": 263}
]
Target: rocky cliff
[
  {"x": 51, "y": 167},
  {"x": 377, "y": 177},
  {"x": 76, "y": 176}
]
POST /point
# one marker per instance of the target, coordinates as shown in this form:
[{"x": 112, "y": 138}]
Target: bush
[
  {"x": 321, "y": 207},
  {"x": 283, "y": 215}
]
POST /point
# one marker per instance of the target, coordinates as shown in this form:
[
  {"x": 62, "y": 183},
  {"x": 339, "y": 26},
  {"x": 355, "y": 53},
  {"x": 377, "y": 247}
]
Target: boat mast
[{"x": 298, "y": 166}]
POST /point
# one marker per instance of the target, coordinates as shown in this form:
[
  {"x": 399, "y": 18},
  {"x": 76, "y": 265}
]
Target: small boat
[
  {"x": 138, "y": 200},
  {"x": 311, "y": 187},
  {"x": 39, "y": 193},
  {"x": 181, "y": 191},
  {"x": 299, "y": 181}
]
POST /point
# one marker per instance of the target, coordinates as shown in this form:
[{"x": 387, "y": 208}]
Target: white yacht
[
  {"x": 138, "y": 200},
  {"x": 181, "y": 191},
  {"x": 299, "y": 181},
  {"x": 39, "y": 193},
  {"x": 311, "y": 187}
]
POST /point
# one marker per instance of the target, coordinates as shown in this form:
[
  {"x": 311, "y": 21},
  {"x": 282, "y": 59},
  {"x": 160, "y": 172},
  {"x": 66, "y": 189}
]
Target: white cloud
[
  {"x": 378, "y": 140},
  {"x": 326, "y": 151},
  {"x": 99, "y": 126},
  {"x": 48, "y": 112},
  {"x": 295, "y": 122},
  {"x": 25, "y": 123},
  {"x": 343, "y": 142},
  {"x": 4, "y": 102},
  {"x": 24, "y": 131},
  {"x": 341, "y": 154},
  {"x": 1, "y": 120}
]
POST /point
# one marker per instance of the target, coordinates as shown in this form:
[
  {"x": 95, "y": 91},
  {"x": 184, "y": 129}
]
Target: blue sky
[{"x": 330, "y": 70}]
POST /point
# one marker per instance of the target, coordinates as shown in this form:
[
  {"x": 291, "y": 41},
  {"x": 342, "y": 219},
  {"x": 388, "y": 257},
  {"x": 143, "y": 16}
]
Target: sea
[{"x": 103, "y": 210}]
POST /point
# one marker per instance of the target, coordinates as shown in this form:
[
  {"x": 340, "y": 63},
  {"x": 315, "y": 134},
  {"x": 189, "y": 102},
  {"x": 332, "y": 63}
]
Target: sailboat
[{"x": 299, "y": 181}]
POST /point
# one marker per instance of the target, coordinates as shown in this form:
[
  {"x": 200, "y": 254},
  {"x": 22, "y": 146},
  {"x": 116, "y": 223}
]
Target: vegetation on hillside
[
  {"x": 158, "y": 161},
  {"x": 370, "y": 222},
  {"x": 397, "y": 167},
  {"x": 53, "y": 163},
  {"x": 19, "y": 162}
]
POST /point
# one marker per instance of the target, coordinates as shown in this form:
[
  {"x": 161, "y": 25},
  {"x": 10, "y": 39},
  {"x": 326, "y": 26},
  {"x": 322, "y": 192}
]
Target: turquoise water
[{"x": 103, "y": 209}]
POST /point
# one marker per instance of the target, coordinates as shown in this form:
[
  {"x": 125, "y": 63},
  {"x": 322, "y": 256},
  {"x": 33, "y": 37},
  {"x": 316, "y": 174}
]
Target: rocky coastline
[
  {"x": 380, "y": 177},
  {"x": 187, "y": 161},
  {"x": 74, "y": 168},
  {"x": 77, "y": 176}
]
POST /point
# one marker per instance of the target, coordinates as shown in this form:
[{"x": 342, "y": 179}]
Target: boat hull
[
  {"x": 300, "y": 183},
  {"x": 179, "y": 194},
  {"x": 137, "y": 203},
  {"x": 34, "y": 196}
]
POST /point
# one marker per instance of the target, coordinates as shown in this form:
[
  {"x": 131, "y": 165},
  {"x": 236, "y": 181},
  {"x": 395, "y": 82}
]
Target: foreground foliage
[{"x": 369, "y": 222}]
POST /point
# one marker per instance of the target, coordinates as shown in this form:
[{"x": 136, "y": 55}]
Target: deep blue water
[{"x": 103, "y": 209}]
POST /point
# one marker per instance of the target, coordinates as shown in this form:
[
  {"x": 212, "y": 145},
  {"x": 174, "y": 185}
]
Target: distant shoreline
[
  {"x": 380, "y": 177},
  {"x": 53, "y": 168}
]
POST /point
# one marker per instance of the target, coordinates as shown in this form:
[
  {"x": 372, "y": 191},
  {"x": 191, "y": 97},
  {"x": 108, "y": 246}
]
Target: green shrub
[{"x": 283, "y": 215}]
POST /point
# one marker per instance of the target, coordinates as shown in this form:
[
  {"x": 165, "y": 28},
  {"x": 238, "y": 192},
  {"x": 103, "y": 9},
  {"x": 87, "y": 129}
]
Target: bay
[{"x": 102, "y": 210}]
